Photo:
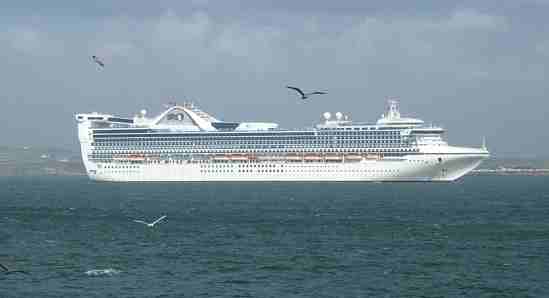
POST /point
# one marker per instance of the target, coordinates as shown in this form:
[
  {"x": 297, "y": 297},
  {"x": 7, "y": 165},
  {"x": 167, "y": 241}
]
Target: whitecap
[{"x": 102, "y": 272}]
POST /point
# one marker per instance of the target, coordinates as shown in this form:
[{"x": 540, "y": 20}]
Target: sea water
[{"x": 484, "y": 236}]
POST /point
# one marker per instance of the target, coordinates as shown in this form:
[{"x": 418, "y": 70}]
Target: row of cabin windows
[
  {"x": 108, "y": 156},
  {"x": 279, "y": 149},
  {"x": 233, "y": 138},
  {"x": 339, "y": 150},
  {"x": 257, "y": 143},
  {"x": 263, "y": 144},
  {"x": 270, "y": 139},
  {"x": 301, "y": 170},
  {"x": 347, "y": 150},
  {"x": 131, "y": 133},
  {"x": 219, "y": 147}
]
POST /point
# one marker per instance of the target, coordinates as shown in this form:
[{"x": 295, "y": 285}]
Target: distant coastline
[
  {"x": 510, "y": 172},
  {"x": 31, "y": 161},
  {"x": 513, "y": 166}
]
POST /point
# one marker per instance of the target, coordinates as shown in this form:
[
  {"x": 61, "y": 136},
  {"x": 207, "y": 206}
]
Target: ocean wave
[{"x": 102, "y": 272}]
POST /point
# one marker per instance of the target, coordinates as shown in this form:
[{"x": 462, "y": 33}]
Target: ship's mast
[{"x": 392, "y": 108}]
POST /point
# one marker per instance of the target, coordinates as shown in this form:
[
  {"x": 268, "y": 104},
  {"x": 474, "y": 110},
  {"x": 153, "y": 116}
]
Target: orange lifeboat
[
  {"x": 239, "y": 157},
  {"x": 136, "y": 157},
  {"x": 313, "y": 157},
  {"x": 372, "y": 156},
  {"x": 293, "y": 157}
]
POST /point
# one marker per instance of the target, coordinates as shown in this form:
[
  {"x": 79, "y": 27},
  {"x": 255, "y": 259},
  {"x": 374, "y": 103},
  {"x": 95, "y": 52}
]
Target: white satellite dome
[
  {"x": 327, "y": 115},
  {"x": 339, "y": 115}
]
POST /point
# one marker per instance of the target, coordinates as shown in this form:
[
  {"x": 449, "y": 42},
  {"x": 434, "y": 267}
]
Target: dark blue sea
[{"x": 484, "y": 236}]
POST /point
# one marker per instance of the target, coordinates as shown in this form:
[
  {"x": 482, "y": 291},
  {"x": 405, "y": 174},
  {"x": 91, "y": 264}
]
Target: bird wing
[
  {"x": 4, "y": 267},
  {"x": 18, "y": 271},
  {"x": 159, "y": 219},
  {"x": 140, "y": 221},
  {"x": 296, "y": 89},
  {"x": 98, "y": 61},
  {"x": 318, "y": 92}
]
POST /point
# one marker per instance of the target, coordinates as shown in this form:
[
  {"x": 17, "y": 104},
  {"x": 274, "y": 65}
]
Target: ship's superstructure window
[{"x": 176, "y": 116}]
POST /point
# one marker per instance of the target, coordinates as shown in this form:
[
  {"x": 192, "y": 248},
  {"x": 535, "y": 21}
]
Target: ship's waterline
[{"x": 186, "y": 144}]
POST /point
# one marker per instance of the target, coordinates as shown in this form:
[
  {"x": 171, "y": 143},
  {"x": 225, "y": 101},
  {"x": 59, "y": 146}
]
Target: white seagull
[{"x": 150, "y": 225}]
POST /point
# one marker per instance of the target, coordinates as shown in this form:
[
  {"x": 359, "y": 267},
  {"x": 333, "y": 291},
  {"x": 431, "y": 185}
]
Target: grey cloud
[{"x": 447, "y": 67}]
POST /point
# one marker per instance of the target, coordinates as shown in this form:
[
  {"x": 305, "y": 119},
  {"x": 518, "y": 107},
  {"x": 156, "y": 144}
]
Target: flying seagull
[
  {"x": 303, "y": 94},
  {"x": 8, "y": 271},
  {"x": 150, "y": 225},
  {"x": 99, "y": 62}
]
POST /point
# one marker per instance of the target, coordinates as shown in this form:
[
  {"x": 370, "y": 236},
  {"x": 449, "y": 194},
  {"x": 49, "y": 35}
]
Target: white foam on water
[{"x": 102, "y": 272}]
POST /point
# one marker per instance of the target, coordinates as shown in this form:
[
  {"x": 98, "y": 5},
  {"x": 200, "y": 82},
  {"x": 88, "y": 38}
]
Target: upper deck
[{"x": 188, "y": 118}]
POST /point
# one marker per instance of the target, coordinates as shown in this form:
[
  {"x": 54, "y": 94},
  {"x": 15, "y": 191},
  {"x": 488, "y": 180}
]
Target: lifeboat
[
  {"x": 312, "y": 157},
  {"x": 334, "y": 157},
  {"x": 293, "y": 157},
  {"x": 239, "y": 157},
  {"x": 353, "y": 157},
  {"x": 372, "y": 156},
  {"x": 136, "y": 157}
]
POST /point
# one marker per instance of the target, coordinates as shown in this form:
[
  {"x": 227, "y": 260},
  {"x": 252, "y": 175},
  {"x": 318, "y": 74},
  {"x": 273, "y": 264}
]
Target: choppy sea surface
[{"x": 479, "y": 237}]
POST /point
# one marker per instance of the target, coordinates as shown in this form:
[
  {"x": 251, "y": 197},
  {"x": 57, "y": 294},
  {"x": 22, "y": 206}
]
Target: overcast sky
[{"x": 478, "y": 68}]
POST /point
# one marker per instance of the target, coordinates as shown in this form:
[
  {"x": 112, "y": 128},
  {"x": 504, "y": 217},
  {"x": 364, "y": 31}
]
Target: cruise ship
[{"x": 184, "y": 143}]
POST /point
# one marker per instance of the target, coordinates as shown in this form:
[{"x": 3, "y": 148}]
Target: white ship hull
[
  {"x": 186, "y": 144},
  {"x": 424, "y": 168}
]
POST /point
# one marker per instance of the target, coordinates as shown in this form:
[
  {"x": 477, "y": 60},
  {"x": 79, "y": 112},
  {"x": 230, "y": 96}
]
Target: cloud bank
[{"x": 472, "y": 70}]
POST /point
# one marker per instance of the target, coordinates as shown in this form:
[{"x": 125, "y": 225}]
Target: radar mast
[{"x": 392, "y": 108}]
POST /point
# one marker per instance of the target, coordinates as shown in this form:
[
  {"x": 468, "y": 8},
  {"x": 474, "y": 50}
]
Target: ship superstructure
[{"x": 185, "y": 143}]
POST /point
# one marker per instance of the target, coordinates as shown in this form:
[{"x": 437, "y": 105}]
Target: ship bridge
[{"x": 392, "y": 117}]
